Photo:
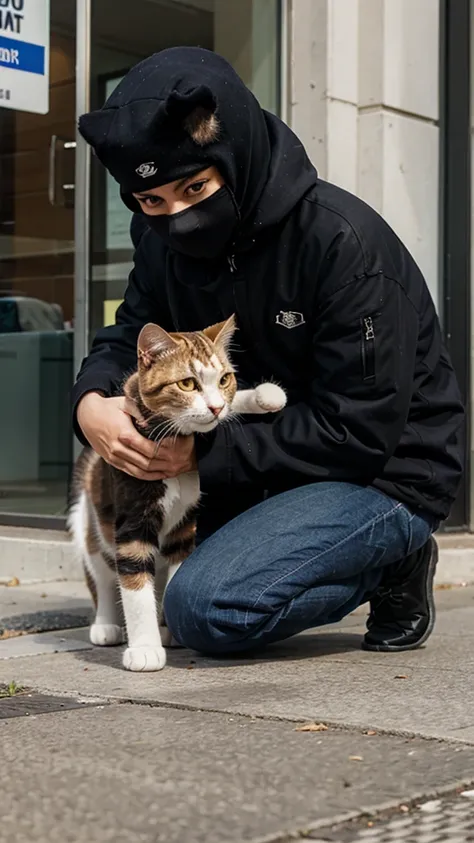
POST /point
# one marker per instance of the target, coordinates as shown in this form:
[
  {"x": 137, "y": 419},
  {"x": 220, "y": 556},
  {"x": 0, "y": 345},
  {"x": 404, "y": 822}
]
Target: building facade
[{"x": 378, "y": 91}]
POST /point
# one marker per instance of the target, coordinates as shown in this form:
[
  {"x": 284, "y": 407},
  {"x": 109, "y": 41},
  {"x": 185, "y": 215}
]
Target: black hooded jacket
[{"x": 329, "y": 303}]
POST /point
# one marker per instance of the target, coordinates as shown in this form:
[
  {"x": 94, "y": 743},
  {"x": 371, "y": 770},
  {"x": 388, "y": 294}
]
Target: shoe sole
[{"x": 400, "y": 648}]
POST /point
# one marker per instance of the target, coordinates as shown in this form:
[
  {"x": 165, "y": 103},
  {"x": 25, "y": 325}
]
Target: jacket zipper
[{"x": 368, "y": 348}]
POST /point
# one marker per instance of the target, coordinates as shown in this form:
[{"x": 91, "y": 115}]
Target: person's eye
[
  {"x": 151, "y": 201},
  {"x": 196, "y": 188}
]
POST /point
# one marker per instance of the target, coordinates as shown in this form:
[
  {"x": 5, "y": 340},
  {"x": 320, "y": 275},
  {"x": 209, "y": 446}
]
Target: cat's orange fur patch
[
  {"x": 136, "y": 550},
  {"x": 135, "y": 582},
  {"x": 182, "y": 537}
]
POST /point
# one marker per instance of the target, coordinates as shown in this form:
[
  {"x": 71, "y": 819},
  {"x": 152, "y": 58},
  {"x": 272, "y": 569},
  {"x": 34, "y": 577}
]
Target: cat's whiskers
[{"x": 165, "y": 432}]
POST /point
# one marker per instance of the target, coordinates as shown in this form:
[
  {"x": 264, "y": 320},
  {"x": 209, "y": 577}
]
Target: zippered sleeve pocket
[{"x": 368, "y": 340}]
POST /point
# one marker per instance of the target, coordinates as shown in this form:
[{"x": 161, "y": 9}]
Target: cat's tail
[{"x": 80, "y": 520}]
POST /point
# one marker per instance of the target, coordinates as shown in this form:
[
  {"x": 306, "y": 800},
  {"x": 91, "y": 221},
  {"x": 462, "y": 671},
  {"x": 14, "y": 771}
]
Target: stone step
[
  {"x": 47, "y": 555},
  {"x": 37, "y": 556}
]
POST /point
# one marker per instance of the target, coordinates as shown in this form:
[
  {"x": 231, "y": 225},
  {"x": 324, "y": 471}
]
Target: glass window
[
  {"x": 36, "y": 287},
  {"x": 245, "y": 32}
]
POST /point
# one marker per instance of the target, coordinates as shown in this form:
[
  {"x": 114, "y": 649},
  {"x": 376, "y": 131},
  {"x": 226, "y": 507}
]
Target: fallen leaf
[
  {"x": 11, "y": 633},
  {"x": 190, "y": 667},
  {"x": 312, "y": 727},
  {"x": 370, "y": 732},
  {"x": 401, "y": 676},
  {"x": 13, "y": 582},
  {"x": 355, "y": 758}
]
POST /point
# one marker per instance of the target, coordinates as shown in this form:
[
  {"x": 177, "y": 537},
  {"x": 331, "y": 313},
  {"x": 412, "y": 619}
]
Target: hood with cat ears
[
  {"x": 185, "y": 109},
  {"x": 178, "y": 112}
]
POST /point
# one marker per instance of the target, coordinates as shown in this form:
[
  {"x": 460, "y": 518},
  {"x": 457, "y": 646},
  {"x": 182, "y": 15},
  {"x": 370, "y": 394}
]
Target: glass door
[
  {"x": 246, "y": 32},
  {"x": 37, "y": 153}
]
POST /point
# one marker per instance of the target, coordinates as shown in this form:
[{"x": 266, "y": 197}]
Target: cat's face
[{"x": 187, "y": 379}]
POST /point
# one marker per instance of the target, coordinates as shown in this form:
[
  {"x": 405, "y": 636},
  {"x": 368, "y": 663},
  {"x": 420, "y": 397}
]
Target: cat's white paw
[
  {"x": 105, "y": 634},
  {"x": 144, "y": 659},
  {"x": 270, "y": 397},
  {"x": 167, "y": 638}
]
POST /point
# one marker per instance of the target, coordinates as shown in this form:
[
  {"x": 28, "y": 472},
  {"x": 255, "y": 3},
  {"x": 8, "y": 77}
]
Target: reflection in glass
[
  {"x": 36, "y": 288},
  {"x": 245, "y": 32}
]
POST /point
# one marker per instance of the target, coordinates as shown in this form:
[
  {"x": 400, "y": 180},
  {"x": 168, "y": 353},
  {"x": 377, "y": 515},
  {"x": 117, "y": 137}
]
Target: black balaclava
[{"x": 142, "y": 136}]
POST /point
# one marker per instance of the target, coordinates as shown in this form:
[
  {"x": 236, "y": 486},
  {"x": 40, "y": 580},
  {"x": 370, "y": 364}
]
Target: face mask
[{"x": 202, "y": 231}]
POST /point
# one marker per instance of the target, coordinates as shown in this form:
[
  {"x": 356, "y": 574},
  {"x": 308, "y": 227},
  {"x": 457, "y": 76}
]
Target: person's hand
[{"x": 108, "y": 428}]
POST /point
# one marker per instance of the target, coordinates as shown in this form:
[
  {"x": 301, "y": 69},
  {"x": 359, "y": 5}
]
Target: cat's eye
[
  {"x": 187, "y": 385},
  {"x": 225, "y": 379}
]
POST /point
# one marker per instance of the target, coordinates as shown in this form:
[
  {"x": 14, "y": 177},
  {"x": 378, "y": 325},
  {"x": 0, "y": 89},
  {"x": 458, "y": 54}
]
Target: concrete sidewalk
[{"x": 207, "y": 750}]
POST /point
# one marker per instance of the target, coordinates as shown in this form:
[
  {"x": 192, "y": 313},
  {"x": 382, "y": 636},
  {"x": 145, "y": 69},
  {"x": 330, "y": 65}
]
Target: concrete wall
[{"x": 363, "y": 96}]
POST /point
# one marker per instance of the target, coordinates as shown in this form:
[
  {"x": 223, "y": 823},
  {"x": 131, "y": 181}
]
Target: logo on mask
[
  {"x": 290, "y": 319},
  {"x": 147, "y": 170}
]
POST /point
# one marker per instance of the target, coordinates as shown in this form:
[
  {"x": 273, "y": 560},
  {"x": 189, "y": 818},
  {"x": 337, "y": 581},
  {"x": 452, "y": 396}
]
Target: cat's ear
[
  {"x": 222, "y": 333},
  {"x": 153, "y": 342}
]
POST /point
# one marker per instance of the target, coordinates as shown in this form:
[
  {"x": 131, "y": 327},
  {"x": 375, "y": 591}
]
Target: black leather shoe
[{"x": 402, "y": 611}]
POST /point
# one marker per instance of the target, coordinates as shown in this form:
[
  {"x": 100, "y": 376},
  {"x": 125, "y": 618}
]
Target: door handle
[{"x": 60, "y": 191}]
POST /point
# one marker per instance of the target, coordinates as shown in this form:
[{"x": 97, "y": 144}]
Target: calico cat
[{"x": 136, "y": 533}]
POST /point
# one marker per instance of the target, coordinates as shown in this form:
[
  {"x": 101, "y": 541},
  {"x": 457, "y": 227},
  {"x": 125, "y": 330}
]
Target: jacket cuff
[{"x": 79, "y": 390}]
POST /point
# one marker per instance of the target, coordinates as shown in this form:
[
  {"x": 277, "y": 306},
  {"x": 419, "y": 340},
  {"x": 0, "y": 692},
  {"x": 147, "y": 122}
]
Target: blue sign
[
  {"x": 24, "y": 55},
  {"x": 19, "y": 55}
]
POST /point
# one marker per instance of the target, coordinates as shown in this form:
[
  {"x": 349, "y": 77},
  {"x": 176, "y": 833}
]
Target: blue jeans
[{"x": 301, "y": 559}]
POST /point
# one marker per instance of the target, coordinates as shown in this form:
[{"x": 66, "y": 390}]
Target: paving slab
[
  {"x": 128, "y": 772},
  {"x": 290, "y": 681},
  {"x": 45, "y": 642},
  {"x": 320, "y": 675}
]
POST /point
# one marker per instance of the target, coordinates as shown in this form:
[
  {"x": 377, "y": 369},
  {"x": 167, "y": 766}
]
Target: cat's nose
[{"x": 216, "y": 411}]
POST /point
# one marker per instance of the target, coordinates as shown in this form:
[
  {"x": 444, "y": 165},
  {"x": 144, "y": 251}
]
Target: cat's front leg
[
  {"x": 136, "y": 572},
  {"x": 265, "y": 398}
]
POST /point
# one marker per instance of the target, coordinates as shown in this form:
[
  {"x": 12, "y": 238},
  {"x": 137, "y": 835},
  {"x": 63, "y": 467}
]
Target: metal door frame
[
  {"x": 81, "y": 238},
  {"x": 83, "y": 186},
  {"x": 455, "y": 218}
]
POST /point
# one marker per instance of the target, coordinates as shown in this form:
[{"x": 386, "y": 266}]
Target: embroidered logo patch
[
  {"x": 290, "y": 319},
  {"x": 147, "y": 170}
]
